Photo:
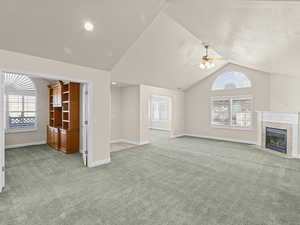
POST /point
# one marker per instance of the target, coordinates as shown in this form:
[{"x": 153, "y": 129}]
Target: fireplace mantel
[{"x": 280, "y": 120}]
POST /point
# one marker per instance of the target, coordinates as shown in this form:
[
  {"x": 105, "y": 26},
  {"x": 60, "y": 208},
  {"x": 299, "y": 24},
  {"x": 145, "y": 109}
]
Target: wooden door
[{"x": 63, "y": 140}]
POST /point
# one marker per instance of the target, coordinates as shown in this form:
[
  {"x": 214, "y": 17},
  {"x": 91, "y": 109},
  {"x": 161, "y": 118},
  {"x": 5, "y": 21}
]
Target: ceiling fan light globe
[{"x": 202, "y": 66}]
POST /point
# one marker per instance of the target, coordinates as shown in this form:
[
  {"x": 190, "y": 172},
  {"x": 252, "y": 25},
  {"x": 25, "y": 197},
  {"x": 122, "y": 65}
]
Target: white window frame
[
  {"x": 20, "y": 130},
  {"x": 167, "y": 101},
  {"x": 224, "y": 74},
  {"x": 20, "y": 93},
  {"x": 231, "y": 98}
]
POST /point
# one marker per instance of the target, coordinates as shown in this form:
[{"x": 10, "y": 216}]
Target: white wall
[
  {"x": 131, "y": 103},
  {"x": 39, "y": 135},
  {"x": 100, "y": 93},
  {"x": 130, "y": 113},
  {"x": 285, "y": 93},
  {"x": 125, "y": 113},
  {"x": 115, "y": 113},
  {"x": 197, "y": 104},
  {"x": 177, "y": 125}
]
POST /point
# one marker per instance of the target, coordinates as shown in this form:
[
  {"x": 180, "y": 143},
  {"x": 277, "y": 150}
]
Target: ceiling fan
[{"x": 208, "y": 62}]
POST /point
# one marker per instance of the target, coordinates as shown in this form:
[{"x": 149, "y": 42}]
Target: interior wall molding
[
  {"x": 129, "y": 142},
  {"x": 178, "y": 135},
  {"x": 157, "y": 128},
  {"x": 99, "y": 163},
  {"x": 221, "y": 139},
  {"x": 25, "y": 144}
]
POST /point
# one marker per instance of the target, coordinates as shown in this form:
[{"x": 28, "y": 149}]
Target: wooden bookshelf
[{"x": 64, "y": 118}]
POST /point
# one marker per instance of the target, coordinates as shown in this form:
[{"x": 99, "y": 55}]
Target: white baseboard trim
[
  {"x": 178, "y": 135},
  {"x": 296, "y": 156},
  {"x": 25, "y": 145},
  {"x": 99, "y": 163},
  {"x": 129, "y": 142},
  {"x": 157, "y": 128},
  {"x": 116, "y": 141},
  {"x": 222, "y": 139}
]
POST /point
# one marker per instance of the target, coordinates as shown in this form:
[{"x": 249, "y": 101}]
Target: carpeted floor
[{"x": 183, "y": 181}]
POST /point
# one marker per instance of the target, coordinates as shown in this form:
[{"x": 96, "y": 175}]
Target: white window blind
[{"x": 232, "y": 112}]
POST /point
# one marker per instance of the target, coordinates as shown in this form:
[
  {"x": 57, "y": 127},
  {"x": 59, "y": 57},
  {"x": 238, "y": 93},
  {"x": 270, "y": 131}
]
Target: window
[
  {"x": 20, "y": 97},
  {"x": 235, "y": 112},
  {"x": 231, "y": 80},
  {"x": 160, "y": 108},
  {"x": 160, "y": 111}
]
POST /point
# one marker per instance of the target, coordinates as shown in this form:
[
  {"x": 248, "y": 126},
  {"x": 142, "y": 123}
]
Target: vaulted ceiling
[
  {"x": 263, "y": 35},
  {"x": 156, "y": 42},
  {"x": 165, "y": 55},
  {"x": 54, "y": 28}
]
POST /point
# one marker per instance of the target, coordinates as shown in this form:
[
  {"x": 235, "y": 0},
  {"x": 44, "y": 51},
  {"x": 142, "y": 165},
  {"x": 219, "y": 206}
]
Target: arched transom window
[
  {"x": 231, "y": 80},
  {"x": 20, "y": 96}
]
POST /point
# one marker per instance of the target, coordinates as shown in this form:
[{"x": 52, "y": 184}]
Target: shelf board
[
  {"x": 66, "y": 92},
  {"x": 66, "y": 111},
  {"x": 66, "y": 102},
  {"x": 66, "y": 121}
]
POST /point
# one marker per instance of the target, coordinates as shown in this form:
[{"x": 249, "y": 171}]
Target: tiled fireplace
[{"x": 279, "y": 133}]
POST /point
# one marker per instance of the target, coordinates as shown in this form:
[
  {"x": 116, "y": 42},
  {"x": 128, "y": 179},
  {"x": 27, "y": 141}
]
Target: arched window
[
  {"x": 231, "y": 80},
  {"x": 20, "y": 96}
]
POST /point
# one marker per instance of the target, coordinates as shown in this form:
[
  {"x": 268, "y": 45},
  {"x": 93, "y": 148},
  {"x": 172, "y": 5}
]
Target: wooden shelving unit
[{"x": 64, "y": 118}]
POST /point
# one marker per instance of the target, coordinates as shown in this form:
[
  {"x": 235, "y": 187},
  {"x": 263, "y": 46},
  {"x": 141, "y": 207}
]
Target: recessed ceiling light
[
  {"x": 114, "y": 83},
  {"x": 88, "y": 26}
]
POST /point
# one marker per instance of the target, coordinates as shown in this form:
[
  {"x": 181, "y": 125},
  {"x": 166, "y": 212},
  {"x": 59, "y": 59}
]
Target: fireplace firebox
[{"x": 276, "y": 139}]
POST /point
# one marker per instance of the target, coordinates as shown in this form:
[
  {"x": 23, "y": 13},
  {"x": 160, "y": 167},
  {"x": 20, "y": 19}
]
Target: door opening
[
  {"x": 160, "y": 117},
  {"x": 26, "y": 113}
]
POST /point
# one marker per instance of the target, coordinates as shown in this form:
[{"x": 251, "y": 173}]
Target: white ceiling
[
  {"x": 166, "y": 55},
  {"x": 263, "y": 35},
  {"x": 54, "y": 28}
]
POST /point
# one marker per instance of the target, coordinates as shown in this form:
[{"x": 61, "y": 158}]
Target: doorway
[
  {"x": 18, "y": 112},
  {"x": 160, "y": 117}
]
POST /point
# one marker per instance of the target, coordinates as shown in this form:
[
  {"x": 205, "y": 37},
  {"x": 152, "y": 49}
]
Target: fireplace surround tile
[{"x": 277, "y": 120}]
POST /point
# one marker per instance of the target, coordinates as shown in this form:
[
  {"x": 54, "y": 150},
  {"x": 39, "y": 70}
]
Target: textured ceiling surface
[
  {"x": 263, "y": 35},
  {"x": 54, "y": 29},
  {"x": 165, "y": 55}
]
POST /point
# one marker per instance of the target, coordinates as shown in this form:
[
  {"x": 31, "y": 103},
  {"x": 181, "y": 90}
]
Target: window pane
[
  {"x": 231, "y": 80},
  {"x": 15, "y": 114},
  {"x": 29, "y": 114},
  {"x": 163, "y": 111},
  {"x": 241, "y": 112},
  {"x": 29, "y": 103},
  {"x": 17, "y": 118},
  {"x": 15, "y": 103},
  {"x": 221, "y": 112}
]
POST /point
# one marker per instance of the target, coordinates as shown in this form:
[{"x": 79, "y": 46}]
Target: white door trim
[
  {"x": 2, "y": 133},
  {"x": 85, "y": 123},
  {"x": 61, "y": 77}
]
